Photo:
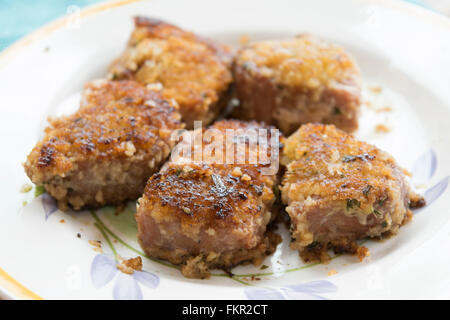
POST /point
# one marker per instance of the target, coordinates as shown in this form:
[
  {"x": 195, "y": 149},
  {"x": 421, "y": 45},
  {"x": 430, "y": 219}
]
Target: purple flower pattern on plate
[
  {"x": 304, "y": 291},
  {"x": 424, "y": 167},
  {"x": 49, "y": 204},
  {"x": 126, "y": 287},
  {"x": 436, "y": 191},
  {"x": 423, "y": 170}
]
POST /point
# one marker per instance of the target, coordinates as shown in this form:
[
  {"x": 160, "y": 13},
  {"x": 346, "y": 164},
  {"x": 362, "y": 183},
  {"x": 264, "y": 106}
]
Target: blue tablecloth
[{"x": 19, "y": 17}]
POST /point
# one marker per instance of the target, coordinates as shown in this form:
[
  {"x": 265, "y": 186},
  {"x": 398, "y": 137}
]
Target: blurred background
[{"x": 19, "y": 17}]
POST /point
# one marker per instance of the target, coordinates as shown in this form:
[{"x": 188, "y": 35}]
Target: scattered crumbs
[
  {"x": 99, "y": 250},
  {"x": 26, "y": 188},
  {"x": 381, "y": 128},
  {"x": 95, "y": 243},
  {"x": 375, "y": 89},
  {"x": 244, "y": 39},
  {"x": 62, "y": 221},
  {"x": 406, "y": 173},
  {"x": 47, "y": 49},
  {"x": 332, "y": 272},
  {"x": 130, "y": 265},
  {"x": 79, "y": 235},
  {"x": 125, "y": 269},
  {"x": 135, "y": 263},
  {"x": 263, "y": 267},
  {"x": 362, "y": 252},
  {"x": 115, "y": 241},
  {"x": 384, "y": 109},
  {"x": 368, "y": 104}
]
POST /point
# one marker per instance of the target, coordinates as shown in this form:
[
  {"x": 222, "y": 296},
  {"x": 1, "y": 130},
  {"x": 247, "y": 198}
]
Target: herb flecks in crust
[
  {"x": 105, "y": 152},
  {"x": 342, "y": 191},
  {"x": 210, "y": 215}
]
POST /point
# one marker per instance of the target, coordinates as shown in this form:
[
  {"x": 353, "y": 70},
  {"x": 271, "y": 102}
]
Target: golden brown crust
[
  {"x": 339, "y": 189},
  {"x": 191, "y": 210},
  {"x": 323, "y": 161},
  {"x": 210, "y": 193},
  {"x": 296, "y": 81},
  {"x": 305, "y": 61},
  {"x": 120, "y": 126},
  {"x": 201, "y": 196},
  {"x": 192, "y": 70}
]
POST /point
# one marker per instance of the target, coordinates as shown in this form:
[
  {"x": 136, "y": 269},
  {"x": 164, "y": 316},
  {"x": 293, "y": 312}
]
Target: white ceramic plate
[{"x": 402, "y": 49}]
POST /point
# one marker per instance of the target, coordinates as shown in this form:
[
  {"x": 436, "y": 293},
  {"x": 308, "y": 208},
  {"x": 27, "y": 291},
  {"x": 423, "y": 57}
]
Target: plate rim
[
  {"x": 16, "y": 289},
  {"x": 20, "y": 44},
  {"x": 12, "y": 289}
]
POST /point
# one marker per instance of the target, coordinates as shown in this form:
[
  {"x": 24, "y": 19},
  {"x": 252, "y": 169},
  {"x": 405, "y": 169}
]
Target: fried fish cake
[
  {"x": 296, "y": 81},
  {"x": 338, "y": 190},
  {"x": 204, "y": 215},
  {"x": 106, "y": 151},
  {"x": 185, "y": 67}
]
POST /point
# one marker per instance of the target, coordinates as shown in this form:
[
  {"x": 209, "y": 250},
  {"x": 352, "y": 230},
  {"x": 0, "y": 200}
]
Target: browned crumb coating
[
  {"x": 105, "y": 152},
  {"x": 206, "y": 216},
  {"x": 297, "y": 81},
  {"x": 193, "y": 71},
  {"x": 338, "y": 190}
]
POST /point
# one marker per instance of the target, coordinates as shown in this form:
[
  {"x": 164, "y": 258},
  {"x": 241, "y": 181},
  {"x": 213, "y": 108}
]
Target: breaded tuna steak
[
  {"x": 296, "y": 81},
  {"x": 106, "y": 151},
  {"x": 338, "y": 190},
  {"x": 204, "y": 216},
  {"x": 185, "y": 67}
]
